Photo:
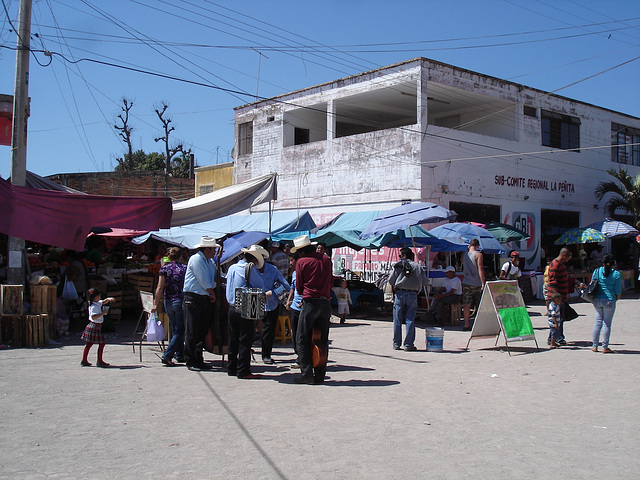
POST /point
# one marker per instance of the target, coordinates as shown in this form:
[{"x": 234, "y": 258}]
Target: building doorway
[{"x": 554, "y": 223}]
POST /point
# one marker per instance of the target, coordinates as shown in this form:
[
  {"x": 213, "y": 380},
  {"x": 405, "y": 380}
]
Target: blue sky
[{"x": 586, "y": 50}]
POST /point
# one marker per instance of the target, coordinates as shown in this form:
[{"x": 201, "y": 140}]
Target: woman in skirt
[{"x": 93, "y": 332}]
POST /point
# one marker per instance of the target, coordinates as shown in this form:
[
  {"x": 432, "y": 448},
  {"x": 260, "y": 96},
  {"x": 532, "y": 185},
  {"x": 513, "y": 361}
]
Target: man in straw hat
[
  {"x": 242, "y": 330},
  {"x": 271, "y": 276},
  {"x": 199, "y": 299},
  {"x": 313, "y": 281}
]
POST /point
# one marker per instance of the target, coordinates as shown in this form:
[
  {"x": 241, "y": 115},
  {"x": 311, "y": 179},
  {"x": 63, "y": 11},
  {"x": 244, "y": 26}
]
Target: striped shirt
[{"x": 558, "y": 279}]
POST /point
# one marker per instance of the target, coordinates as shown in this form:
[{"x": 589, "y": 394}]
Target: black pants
[
  {"x": 316, "y": 313},
  {"x": 294, "y": 316},
  {"x": 241, "y": 333},
  {"x": 269, "y": 323},
  {"x": 198, "y": 312}
]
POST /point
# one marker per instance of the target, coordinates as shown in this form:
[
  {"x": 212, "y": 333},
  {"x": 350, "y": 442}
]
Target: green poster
[{"x": 516, "y": 322}]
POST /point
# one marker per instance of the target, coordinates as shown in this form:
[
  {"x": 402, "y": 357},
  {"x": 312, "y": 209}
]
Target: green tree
[
  {"x": 624, "y": 194},
  {"x": 140, "y": 160}
]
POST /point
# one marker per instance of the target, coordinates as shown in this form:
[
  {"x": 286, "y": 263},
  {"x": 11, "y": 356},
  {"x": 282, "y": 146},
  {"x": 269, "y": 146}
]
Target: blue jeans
[
  {"x": 176, "y": 320},
  {"x": 604, "y": 315},
  {"x": 405, "y": 307}
]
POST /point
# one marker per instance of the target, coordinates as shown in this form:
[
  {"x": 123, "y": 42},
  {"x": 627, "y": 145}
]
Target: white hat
[
  {"x": 301, "y": 242},
  {"x": 257, "y": 252},
  {"x": 207, "y": 242},
  {"x": 449, "y": 269}
]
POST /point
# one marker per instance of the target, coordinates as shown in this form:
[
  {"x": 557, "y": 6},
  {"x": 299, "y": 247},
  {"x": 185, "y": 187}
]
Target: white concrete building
[{"x": 491, "y": 149}]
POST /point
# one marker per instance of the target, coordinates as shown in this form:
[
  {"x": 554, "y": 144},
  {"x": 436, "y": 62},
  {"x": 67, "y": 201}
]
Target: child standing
[
  {"x": 555, "y": 322},
  {"x": 93, "y": 332},
  {"x": 344, "y": 300}
]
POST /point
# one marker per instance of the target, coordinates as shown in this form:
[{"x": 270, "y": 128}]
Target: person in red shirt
[
  {"x": 313, "y": 281},
  {"x": 559, "y": 282}
]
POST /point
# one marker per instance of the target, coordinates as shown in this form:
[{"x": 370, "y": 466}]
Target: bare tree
[
  {"x": 124, "y": 131},
  {"x": 170, "y": 152}
]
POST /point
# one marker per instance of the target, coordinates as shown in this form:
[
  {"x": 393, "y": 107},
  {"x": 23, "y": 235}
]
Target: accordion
[{"x": 250, "y": 303}]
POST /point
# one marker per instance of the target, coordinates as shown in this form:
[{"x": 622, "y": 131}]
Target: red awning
[{"x": 65, "y": 219}]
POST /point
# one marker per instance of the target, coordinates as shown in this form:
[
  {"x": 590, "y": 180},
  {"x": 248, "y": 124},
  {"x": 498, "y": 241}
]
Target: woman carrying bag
[{"x": 609, "y": 290}]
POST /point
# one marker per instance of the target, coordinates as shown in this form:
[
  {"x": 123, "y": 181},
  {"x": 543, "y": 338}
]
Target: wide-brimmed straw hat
[
  {"x": 207, "y": 242},
  {"x": 301, "y": 242},
  {"x": 257, "y": 252}
]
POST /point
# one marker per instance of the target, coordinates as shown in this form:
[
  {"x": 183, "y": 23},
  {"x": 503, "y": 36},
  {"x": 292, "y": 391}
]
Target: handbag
[
  {"x": 569, "y": 313},
  {"x": 69, "y": 291},
  {"x": 155, "y": 330},
  {"x": 589, "y": 293}
]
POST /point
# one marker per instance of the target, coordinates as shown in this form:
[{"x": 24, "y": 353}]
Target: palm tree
[{"x": 625, "y": 195}]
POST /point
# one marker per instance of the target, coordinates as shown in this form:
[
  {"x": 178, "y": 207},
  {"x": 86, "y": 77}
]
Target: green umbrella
[
  {"x": 506, "y": 233},
  {"x": 575, "y": 236}
]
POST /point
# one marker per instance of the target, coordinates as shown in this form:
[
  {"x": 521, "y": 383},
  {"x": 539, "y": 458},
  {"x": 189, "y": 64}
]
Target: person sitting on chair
[{"x": 449, "y": 293}]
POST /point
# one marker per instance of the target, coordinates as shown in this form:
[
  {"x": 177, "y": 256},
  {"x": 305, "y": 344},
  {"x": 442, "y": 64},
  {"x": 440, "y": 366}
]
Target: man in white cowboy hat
[
  {"x": 241, "y": 330},
  {"x": 313, "y": 281},
  {"x": 271, "y": 276},
  {"x": 199, "y": 299}
]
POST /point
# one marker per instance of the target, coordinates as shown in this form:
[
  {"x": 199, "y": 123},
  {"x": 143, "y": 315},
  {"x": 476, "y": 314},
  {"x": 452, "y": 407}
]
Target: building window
[
  {"x": 300, "y": 136},
  {"x": 530, "y": 111},
  {"x": 245, "y": 138},
  {"x": 560, "y": 131},
  {"x": 625, "y": 143}
]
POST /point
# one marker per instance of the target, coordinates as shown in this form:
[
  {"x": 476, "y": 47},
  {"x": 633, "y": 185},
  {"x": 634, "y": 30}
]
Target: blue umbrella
[
  {"x": 406, "y": 216},
  {"x": 614, "y": 228},
  {"x": 462, "y": 233},
  {"x": 231, "y": 246}
]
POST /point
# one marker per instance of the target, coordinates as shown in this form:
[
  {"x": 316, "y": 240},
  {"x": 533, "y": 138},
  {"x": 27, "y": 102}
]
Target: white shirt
[
  {"x": 513, "y": 272},
  {"x": 453, "y": 285},
  {"x": 96, "y": 308}
]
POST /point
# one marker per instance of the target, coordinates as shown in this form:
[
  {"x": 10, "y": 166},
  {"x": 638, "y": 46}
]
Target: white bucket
[{"x": 435, "y": 339}]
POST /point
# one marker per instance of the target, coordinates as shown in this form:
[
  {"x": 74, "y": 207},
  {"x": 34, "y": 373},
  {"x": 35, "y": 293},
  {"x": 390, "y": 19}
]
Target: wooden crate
[
  {"x": 11, "y": 298},
  {"x": 125, "y": 298},
  {"x": 11, "y": 330},
  {"x": 116, "y": 315},
  {"x": 141, "y": 282},
  {"x": 36, "y": 330},
  {"x": 43, "y": 299}
]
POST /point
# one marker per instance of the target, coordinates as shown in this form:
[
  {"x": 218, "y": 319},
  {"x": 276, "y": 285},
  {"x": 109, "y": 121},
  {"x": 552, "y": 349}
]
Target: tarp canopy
[
  {"x": 225, "y": 201},
  {"x": 65, "y": 219},
  {"x": 345, "y": 229},
  {"x": 36, "y": 181},
  {"x": 189, "y": 235}
]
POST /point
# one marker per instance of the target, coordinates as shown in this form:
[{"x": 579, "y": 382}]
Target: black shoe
[
  {"x": 232, "y": 373},
  {"x": 268, "y": 360},
  {"x": 194, "y": 368},
  {"x": 84, "y": 363},
  {"x": 205, "y": 366},
  {"x": 411, "y": 348},
  {"x": 167, "y": 362},
  {"x": 305, "y": 380},
  {"x": 562, "y": 342},
  {"x": 397, "y": 347},
  {"x": 179, "y": 359}
]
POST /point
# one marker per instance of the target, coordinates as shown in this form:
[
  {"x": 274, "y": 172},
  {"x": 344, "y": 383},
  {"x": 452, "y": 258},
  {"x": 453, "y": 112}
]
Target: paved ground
[{"x": 567, "y": 413}]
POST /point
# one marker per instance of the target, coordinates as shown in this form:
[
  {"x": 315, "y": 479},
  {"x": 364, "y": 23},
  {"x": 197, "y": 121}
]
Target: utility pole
[{"x": 17, "y": 260}]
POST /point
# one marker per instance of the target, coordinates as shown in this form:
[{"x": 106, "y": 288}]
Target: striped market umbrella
[
  {"x": 614, "y": 228},
  {"x": 575, "y": 236}
]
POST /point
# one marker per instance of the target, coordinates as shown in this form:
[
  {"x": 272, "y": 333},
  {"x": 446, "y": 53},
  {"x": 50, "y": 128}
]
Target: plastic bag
[
  {"x": 69, "y": 291},
  {"x": 155, "y": 330}
]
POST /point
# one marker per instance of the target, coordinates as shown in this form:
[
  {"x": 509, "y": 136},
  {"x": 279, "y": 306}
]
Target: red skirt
[{"x": 93, "y": 333}]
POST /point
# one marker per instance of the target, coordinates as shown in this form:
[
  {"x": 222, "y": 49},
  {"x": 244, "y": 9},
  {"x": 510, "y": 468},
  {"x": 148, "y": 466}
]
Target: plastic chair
[{"x": 283, "y": 329}]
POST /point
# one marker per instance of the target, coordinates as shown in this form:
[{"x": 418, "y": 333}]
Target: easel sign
[{"x": 502, "y": 310}]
